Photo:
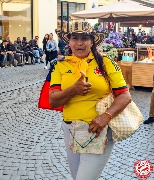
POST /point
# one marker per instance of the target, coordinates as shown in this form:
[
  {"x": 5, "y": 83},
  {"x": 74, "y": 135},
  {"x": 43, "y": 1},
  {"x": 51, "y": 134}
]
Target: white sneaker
[{"x": 45, "y": 67}]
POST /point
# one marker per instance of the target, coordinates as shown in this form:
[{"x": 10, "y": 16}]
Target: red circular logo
[
  {"x": 143, "y": 168},
  {"x": 97, "y": 71}
]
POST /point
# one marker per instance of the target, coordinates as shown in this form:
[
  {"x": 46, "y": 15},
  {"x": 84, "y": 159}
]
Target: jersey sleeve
[
  {"x": 116, "y": 78},
  {"x": 55, "y": 82}
]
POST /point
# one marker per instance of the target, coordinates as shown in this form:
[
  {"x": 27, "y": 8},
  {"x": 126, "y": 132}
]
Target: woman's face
[
  {"x": 46, "y": 36},
  {"x": 51, "y": 36},
  {"x": 80, "y": 45}
]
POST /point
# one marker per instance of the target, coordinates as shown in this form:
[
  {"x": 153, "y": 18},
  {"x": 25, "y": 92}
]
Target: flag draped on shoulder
[{"x": 44, "y": 94}]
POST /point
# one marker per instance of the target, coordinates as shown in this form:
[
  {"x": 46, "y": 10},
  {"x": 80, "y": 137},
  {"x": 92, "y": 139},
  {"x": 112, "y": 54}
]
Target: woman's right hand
[
  {"x": 81, "y": 87},
  {"x": 59, "y": 98}
]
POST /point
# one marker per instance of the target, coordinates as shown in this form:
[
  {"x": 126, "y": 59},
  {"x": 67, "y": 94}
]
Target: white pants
[{"x": 86, "y": 166}]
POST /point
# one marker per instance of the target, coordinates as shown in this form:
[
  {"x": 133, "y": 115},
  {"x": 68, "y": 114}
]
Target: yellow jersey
[{"x": 84, "y": 107}]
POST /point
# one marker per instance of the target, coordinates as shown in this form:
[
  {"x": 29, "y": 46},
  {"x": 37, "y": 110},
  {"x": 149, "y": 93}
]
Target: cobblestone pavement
[{"x": 31, "y": 144}]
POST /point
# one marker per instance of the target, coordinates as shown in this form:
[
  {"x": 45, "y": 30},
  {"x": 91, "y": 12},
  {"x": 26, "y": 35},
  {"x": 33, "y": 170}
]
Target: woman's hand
[
  {"x": 59, "y": 98},
  {"x": 60, "y": 57},
  {"x": 81, "y": 87},
  {"x": 98, "y": 123},
  {"x": 120, "y": 102}
]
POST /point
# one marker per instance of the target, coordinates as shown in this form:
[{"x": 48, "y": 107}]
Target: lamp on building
[{"x": 140, "y": 26}]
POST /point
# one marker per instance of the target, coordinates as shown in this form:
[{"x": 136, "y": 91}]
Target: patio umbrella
[{"x": 116, "y": 12}]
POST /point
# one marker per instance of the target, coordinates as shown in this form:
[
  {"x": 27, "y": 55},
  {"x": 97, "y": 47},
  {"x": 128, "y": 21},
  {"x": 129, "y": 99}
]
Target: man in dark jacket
[
  {"x": 19, "y": 48},
  {"x": 3, "y": 53},
  {"x": 61, "y": 45},
  {"x": 27, "y": 50},
  {"x": 11, "y": 54}
]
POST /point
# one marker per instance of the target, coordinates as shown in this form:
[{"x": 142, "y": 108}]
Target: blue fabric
[
  {"x": 50, "y": 46},
  {"x": 48, "y": 78},
  {"x": 52, "y": 64},
  {"x": 40, "y": 52}
]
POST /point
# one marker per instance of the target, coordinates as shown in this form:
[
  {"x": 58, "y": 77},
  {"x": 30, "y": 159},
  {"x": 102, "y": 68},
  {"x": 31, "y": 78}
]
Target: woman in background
[
  {"x": 51, "y": 48},
  {"x": 45, "y": 40}
]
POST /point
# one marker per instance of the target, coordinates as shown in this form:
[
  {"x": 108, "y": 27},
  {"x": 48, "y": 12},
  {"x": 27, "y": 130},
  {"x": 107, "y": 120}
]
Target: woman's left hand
[
  {"x": 98, "y": 123},
  {"x": 120, "y": 102}
]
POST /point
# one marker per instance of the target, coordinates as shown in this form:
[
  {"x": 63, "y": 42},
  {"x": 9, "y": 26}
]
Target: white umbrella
[{"x": 116, "y": 10}]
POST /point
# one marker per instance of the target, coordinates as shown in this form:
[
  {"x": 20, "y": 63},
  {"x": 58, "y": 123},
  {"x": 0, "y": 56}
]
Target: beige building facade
[
  {"x": 15, "y": 19},
  {"x": 27, "y": 18}
]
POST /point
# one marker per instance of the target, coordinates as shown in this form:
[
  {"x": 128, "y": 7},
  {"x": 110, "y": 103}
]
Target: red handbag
[{"x": 44, "y": 96}]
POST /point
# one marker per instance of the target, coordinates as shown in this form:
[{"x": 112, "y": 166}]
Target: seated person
[
  {"x": 19, "y": 49},
  {"x": 11, "y": 54},
  {"x": 3, "y": 53},
  {"x": 27, "y": 50},
  {"x": 151, "y": 112},
  {"x": 36, "y": 50}
]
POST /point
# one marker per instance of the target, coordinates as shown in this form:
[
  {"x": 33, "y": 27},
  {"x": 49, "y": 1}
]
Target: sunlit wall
[{"x": 15, "y": 19}]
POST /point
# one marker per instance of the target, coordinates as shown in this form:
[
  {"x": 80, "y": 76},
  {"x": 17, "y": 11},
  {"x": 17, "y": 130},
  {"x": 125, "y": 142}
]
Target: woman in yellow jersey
[{"x": 69, "y": 88}]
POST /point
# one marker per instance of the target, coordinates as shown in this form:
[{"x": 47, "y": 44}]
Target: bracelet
[{"x": 108, "y": 114}]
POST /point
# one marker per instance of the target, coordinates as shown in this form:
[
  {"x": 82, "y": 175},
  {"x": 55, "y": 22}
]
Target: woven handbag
[{"x": 125, "y": 123}]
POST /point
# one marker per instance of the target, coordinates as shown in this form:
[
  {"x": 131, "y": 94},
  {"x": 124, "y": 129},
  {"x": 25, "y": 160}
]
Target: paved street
[{"x": 31, "y": 143}]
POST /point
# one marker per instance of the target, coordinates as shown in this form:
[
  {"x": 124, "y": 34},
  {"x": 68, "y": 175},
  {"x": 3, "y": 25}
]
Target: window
[
  {"x": 73, "y": 7},
  {"x": 15, "y": 19}
]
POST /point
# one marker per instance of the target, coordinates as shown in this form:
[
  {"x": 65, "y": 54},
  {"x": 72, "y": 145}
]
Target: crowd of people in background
[
  {"x": 131, "y": 38},
  {"x": 124, "y": 39},
  {"x": 20, "y": 52},
  {"x": 24, "y": 52}
]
